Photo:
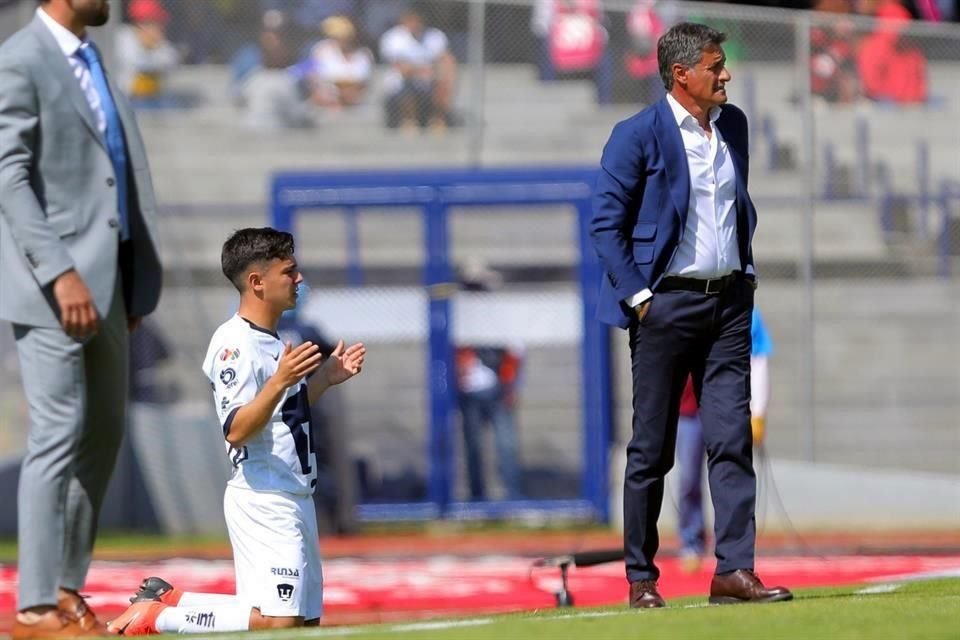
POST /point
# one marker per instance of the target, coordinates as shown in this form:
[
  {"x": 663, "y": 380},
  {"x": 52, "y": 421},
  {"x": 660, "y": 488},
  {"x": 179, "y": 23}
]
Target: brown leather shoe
[
  {"x": 743, "y": 585},
  {"x": 51, "y": 624},
  {"x": 644, "y": 595},
  {"x": 75, "y": 608}
]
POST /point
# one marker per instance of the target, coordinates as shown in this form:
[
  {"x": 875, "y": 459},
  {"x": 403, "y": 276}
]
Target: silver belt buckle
[{"x": 714, "y": 286}]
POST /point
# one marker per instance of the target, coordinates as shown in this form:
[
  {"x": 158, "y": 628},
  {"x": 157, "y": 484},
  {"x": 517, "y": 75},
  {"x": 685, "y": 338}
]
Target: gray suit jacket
[{"x": 58, "y": 195}]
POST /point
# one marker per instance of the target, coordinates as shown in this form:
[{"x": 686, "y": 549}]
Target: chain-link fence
[{"x": 854, "y": 173}]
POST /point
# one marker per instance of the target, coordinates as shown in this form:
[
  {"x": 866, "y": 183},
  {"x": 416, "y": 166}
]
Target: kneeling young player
[{"x": 263, "y": 390}]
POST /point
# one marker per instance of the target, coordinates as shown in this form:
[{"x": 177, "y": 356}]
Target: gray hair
[{"x": 684, "y": 43}]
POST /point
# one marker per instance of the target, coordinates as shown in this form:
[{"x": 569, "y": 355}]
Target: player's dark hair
[
  {"x": 250, "y": 246},
  {"x": 684, "y": 43}
]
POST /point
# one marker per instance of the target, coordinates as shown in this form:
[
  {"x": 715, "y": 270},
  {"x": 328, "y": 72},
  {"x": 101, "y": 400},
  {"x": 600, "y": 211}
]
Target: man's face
[
  {"x": 92, "y": 13},
  {"x": 279, "y": 282},
  {"x": 706, "y": 81}
]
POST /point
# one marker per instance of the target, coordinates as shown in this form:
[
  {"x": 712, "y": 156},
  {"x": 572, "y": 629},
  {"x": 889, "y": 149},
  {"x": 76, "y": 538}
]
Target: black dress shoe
[
  {"x": 644, "y": 595},
  {"x": 743, "y": 585}
]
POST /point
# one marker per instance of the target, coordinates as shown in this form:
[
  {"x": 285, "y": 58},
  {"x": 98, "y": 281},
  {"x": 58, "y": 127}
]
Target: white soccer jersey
[{"x": 240, "y": 359}]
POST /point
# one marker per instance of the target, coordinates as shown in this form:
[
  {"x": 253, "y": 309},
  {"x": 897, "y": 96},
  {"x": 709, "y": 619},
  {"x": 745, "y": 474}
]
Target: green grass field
[{"x": 917, "y": 610}]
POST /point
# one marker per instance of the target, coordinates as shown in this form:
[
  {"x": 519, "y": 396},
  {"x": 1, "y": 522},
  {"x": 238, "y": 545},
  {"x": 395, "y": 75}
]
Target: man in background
[
  {"x": 422, "y": 76},
  {"x": 488, "y": 378},
  {"x": 145, "y": 57},
  {"x": 80, "y": 269}
]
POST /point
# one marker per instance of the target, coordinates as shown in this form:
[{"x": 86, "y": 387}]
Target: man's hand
[
  {"x": 758, "y": 425},
  {"x": 642, "y": 309},
  {"x": 78, "y": 315},
  {"x": 296, "y": 363},
  {"x": 344, "y": 363}
]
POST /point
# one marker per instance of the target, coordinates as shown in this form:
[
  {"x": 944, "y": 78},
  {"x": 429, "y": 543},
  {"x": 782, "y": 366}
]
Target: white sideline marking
[
  {"x": 878, "y": 588},
  {"x": 325, "y": 632},
  {"x": 918, "y": 576},
  {"x": 433, "y": 626},
  {"x": 585, "y": 614}
]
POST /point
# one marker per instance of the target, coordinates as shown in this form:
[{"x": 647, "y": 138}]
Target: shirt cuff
[{"x": 639, "y": 298}]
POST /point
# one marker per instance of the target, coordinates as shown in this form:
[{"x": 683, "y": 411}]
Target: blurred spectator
[
  {"x": 573, "y": 40},
  {"x": 337, "y": 70},
  {"x": 833, "y": 66},
  {"x": 487, "y": 380},
  {"x": 145, "y": 56},
  {"x": 644, "y": 28},
  {"x": 305, "y": 15},
  {"x": 928, "y": 10},
  {"x": 892, "y": 69},
  {"x": 263, "y": 84},
  {"x": 422, "y": 76}
]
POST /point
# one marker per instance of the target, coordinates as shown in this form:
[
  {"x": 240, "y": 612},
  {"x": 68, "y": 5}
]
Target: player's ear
[
  {"x": 679, "y": 72},
  {"x": 254, "y": 281}
]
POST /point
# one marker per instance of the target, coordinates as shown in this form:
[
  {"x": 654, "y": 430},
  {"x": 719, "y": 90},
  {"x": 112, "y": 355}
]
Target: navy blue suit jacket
[{"x": 641, "y": 199}]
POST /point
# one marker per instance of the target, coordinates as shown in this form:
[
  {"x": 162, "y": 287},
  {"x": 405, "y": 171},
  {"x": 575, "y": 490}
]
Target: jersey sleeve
[
  {"x": 762, "y": 343},
  {"x": 234, "y": 375}
]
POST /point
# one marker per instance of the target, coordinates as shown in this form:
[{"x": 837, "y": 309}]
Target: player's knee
[{"x": 259, "y": 621}]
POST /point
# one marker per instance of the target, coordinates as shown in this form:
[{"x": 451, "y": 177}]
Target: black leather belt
[{"x": 712, "y": 286}]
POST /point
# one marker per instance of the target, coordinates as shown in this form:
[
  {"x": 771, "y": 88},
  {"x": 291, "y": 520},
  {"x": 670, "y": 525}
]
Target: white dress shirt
[
  {"x": 398, "y": 45},
  {"x": 70, "y": 44},
  {"x": 708, "y": 248}
]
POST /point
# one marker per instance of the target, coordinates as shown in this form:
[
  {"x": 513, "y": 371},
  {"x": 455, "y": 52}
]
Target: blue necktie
[{"x": 116, "y": 145}]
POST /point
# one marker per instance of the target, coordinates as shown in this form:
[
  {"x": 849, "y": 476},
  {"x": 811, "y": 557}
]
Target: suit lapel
[
  {"x": 62, "y": 73},
  {"x": 733, "y": 147},
  {"x": 740, "y": 170},
  {"x": 674, "y": 157}
]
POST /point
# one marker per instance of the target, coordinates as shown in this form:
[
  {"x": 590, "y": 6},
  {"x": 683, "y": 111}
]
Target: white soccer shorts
[{"x": 276, "y": 552}]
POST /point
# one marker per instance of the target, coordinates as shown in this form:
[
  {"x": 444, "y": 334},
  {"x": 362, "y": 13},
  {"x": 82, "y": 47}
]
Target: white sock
[
  {"x": 193, "y": 599},
  {"x": 224, "y": 617}
]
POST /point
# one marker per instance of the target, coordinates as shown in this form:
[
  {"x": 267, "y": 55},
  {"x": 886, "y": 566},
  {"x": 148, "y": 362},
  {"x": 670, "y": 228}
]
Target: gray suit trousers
[{"x": 76, "y": 393}]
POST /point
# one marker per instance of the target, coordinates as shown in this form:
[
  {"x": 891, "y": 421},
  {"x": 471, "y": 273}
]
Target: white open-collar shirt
[{"x": 708, "y": 247}]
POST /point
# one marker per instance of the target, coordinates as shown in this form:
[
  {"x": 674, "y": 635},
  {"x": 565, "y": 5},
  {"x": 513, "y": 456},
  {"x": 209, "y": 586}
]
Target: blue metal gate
[{"x": 434, "y": 193}]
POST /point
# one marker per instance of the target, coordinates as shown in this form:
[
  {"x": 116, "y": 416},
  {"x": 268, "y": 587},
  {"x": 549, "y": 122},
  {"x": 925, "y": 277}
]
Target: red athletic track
[{"x": 368, "y": 590}]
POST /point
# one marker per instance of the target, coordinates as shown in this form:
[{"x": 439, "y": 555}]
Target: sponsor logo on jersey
[
  {"x": 223, "y": 403},
  {"x": 284, "y": 572},
  {"x": 229, "y": 354},
  {"x": 201, "y": 619},
  {"x": 285, "y": 591},
  {"x": 228, "y": 377}
]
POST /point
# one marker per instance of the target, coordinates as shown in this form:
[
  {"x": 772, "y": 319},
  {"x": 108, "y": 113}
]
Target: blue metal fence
[{"x": 435, "y": 193}]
